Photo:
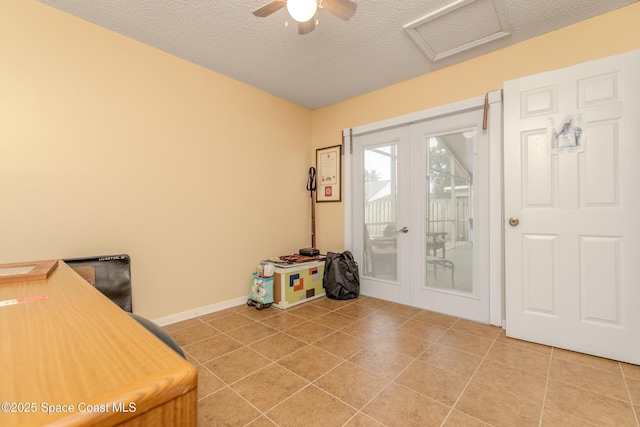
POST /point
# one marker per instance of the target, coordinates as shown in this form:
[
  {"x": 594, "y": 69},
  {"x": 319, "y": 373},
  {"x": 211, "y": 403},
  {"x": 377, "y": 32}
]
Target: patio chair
[{"x": 435, "y": 242}]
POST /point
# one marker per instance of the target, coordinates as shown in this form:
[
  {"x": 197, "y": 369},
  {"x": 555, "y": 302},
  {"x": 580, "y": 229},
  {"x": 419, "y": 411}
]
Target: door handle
[
  {"x": 513, "y": 221},
  {"x": 403, "y": 230}
]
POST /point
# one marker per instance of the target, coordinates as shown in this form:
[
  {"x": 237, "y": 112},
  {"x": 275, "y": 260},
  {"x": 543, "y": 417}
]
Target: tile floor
[{"x": 368, "y": 362}]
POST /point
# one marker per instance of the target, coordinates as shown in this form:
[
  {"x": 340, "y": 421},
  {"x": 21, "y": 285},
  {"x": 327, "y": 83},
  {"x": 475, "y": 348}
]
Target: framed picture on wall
[{"x": 329, "y": 174}]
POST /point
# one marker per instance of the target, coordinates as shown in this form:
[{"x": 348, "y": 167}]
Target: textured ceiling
[{"x": 339, "y": 59}]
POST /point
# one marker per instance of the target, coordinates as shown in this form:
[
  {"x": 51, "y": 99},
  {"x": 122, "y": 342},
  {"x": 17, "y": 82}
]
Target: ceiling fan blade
[
  {"x": 306, "y": 27},
  {"x": 343, "y": 9},
  {"x": 269, "y": 8}
]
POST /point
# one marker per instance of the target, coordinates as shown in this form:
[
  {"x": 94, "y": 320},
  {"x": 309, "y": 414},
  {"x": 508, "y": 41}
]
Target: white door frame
[{"x": 496, "y": 223}]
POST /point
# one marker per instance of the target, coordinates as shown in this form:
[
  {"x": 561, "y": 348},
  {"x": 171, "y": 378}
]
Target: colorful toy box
[{"x": 297, "y": 283}]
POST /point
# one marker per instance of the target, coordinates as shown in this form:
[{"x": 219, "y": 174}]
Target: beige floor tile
[
  {"x": 341, "y": 344},
  {"x": 210, "y": 348},
  {"x": 358, "y": 311},
  {"x": 262, "y": 422},
  {"x": 552, "y": 418},
  {"x": 283, "y": 321},
  {"x": 308, "y": 311},
  {"x": 237, "y": 364},
  {"x": 363, "y": 420},
  {"x": 634, "y": 390},
  {"x": 334, "y": 320},
  {"x": 192, "y": 334},
  {"x": 399, "y": 406},
  {"x": 436, "y": 318},
  {"x": 477, "y": 329},
  {"x": 448, "y": 358},
  {"x": 207, "y": 382},
  {"x": 229, "y": 322},
  {"x": 465, "y": 342},
  {"x": 603, "y": 382},
  {"x": 520, "y": 358},
  {"x": 255, "y": 314},
  {"x": 587, "y": 360},
  {"x": 460, "y": 419},
  {"x": 277, "y": 346},
  {"x": 498, "y": 408},
  {"x": 410, "y": 345},
  {"x": 268, "y": 387},
  {"x": 225, "y": 408},
  {"x": 352, "y": 384},
  {"x": 401, "y": 310},
  {"x": 217, "y": 314},
  {"x": 332, "y": 304},
  {"x": 630, "y": 371},
  {"x": 370, "y": 302},
  {"x": 524, "y": 345},
  {"x": 311, "y": 407},
  {"x": 251, "y": 333},
  {"x": 309, "y": 332},
  {"x": 190, "y": 358},
  {"x": 511, "y": 380},
  {"x": 433, "y": 382},
  {"x": 181, "y": 325},
  {"x": 430, "y": 332},
  {"x": 385, "y": 320},
  {"x": 365, "y": 330},
  {"x": 311, "y": 362},
  {"x": 396, "y": 364},
  {"x": 588, "y": 405},
  {"x": 263, "y": 314},
  {"x": 246, "y": 308},
  {"x": 381, "y": 362}
]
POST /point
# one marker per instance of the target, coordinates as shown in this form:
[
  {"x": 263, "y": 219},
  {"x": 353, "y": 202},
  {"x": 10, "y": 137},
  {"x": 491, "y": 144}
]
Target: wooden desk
[{"x": 78, "y": 352}]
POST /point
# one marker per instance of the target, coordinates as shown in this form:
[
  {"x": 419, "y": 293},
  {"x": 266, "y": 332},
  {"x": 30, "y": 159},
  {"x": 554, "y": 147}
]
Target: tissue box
[{"x": 261, "y": 289}]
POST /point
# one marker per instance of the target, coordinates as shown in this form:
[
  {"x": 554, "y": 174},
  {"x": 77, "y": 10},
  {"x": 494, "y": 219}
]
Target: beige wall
[
  {"x": 606, "y": 35},
  {"x": 110, "y": 146}
]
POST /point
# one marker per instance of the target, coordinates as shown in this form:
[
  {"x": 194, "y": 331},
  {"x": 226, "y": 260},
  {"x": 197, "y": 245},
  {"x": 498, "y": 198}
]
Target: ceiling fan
[{"x": 303, "y": 11}]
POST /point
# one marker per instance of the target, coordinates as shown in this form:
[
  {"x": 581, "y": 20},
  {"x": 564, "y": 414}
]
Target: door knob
[
  {"x": 403, "y": 230},
  {"x": 513, "y": 221}
]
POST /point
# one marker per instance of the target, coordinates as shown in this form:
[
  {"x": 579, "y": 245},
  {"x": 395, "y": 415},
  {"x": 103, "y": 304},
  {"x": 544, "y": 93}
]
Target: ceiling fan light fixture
[{"x": 302, "y": 10}]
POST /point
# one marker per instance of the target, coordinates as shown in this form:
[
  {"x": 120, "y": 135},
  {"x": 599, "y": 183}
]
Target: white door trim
[{"x": 496, "y": 267}]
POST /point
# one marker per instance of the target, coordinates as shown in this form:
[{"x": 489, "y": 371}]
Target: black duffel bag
[{"x": 341, "y": 279}]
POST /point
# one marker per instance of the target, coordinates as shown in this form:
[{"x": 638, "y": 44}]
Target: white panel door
[{"x": 572, "y": 205}]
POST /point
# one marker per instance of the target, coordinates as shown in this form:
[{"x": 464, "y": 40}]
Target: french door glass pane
[
  {"x": 380, "y": 198},
  {"x": 449, "y": 228}
]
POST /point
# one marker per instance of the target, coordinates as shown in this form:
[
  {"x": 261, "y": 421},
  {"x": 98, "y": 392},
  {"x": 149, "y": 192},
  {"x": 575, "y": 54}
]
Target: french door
[
  {"x": 450, "y": 222},
  {"x": 382, "y": 213},
  {"x": 420, "y": 214}
]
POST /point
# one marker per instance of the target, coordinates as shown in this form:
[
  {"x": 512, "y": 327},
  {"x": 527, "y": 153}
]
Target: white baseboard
[{"x": 190, "y": 314}]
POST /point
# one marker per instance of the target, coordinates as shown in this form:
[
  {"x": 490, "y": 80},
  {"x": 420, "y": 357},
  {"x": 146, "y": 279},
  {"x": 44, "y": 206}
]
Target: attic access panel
[{"x": 459, "y": 26}]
